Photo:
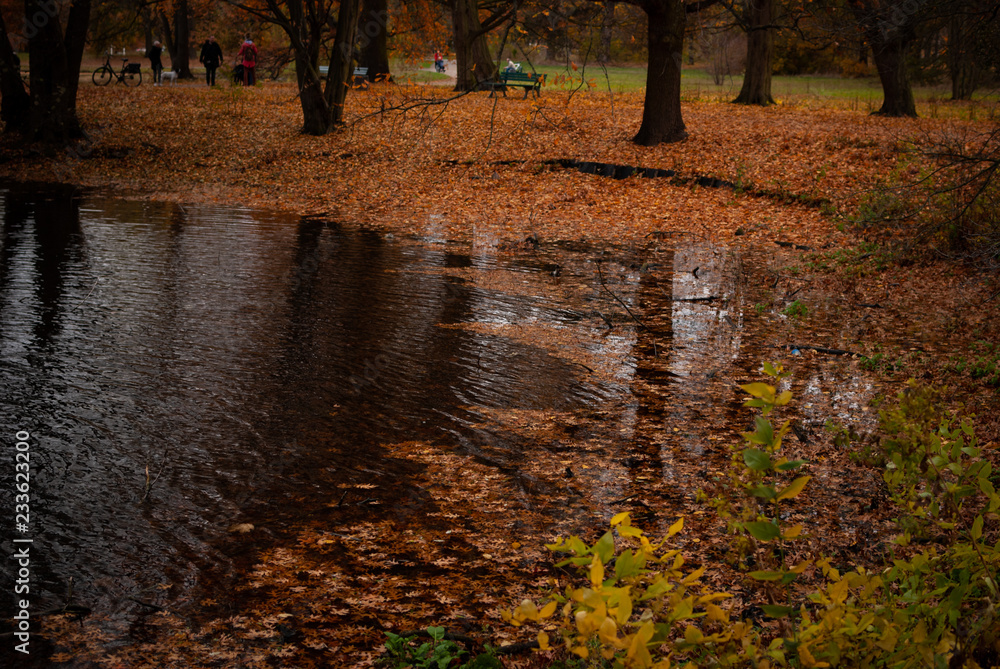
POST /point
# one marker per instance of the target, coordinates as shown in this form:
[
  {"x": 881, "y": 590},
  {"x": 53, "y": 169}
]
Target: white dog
[{"x": 170, "y": 76}]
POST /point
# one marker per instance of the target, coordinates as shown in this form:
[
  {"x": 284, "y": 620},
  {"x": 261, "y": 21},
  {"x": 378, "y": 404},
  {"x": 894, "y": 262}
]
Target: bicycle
[{"x": 130, "y": 75}]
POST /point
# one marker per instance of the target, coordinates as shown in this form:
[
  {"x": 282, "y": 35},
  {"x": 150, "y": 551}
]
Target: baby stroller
[{"x": 439, "y": 65}]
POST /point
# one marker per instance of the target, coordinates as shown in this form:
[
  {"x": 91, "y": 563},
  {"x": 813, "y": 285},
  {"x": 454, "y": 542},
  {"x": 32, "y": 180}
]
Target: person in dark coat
[
  {"x": 211, "y": 58},
  {"x": 154, "y": 60}
]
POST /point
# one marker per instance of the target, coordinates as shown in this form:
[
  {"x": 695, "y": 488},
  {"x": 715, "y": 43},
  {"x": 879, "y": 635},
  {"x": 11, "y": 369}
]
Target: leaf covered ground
[{"x": 489, "y": 173}]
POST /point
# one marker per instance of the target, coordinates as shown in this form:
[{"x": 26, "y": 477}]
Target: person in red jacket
[{"x": 247, "y": 56}]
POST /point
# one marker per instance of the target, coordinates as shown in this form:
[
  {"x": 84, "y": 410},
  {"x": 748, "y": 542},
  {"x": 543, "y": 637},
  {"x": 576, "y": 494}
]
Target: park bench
[
  {"x": 531, "y": 82},
  {"x": 360, "y": 75}
]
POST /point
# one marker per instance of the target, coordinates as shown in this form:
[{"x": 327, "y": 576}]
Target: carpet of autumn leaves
[{"x": 478, "y": 170}]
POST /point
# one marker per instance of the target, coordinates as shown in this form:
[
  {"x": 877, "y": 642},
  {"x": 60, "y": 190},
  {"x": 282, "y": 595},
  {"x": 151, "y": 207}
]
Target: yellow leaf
[
  {"x": 693, "y": 576},
  {"x": 593, "y": 600},
  {"x": 620, "y": 517},
  {"x": 589, "y": 622},
  {"x": 624, "y": 609},
  {"x": 676, "y": 527},
  {"x": 838, "y": 591},
  {"x": 526, "y": 611},
  {"x": 807, "y": 658},
  {"x": 637, "y": 652},
  {"x": 548, "y": 610},
  {"x": 717, "y": 614},
  {"x": 794, "y": 488},
  {"x": 791, "y": 533},
  {"x": 761, "y": 390},
  {"x": 543, "y": 641},
  {"x": 608, "y": 631},
  {"x": 802, "y": 566},
  {"x": 596, "y": 572}
]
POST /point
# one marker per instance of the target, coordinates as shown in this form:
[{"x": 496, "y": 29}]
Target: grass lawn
[{"x": 856, "y": 94}]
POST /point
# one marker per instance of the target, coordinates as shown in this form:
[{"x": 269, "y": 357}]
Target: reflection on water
[
  {"x": 184, "y": 369},
  {"x": 234, "y": 364}
]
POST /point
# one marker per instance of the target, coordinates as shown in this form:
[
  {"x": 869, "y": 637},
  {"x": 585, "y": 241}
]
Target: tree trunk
[
  {"x": 316, "y": 116},
  {"x": 661, "y": 111},
  {"x": 176, "y": 40},
  {"x": 889, "y": 30},
  {"x": 962, "y": 66},
  {"x": 14, "y": 100},
  {"x": 180, "y": 58},
  {"x": 897, "y": 96},
  {"x": 342, "y": 61},
  {"x": 756, "y": 88},
  {"x": 607, "y": 23},
  {"x": 54, "y": 60},
  {"x": 472, "y": 54},
  {"x": 372, "y": 33}
]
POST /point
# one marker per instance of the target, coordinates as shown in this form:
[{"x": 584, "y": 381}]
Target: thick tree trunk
[
  {"x": 888, "y": 28},
  {"x": 373, "y": 36},
  {"x": 661, "y": 112},
  {"x": 180, "y": 57},
  {"x": 472, "y": 55},
  {"x": 54, "y": 60},
  {"x": 342, "y": 60},
  {"x": 15, "y": 103},
  {"x": 317, "y": 118},
  {"x": 962, "y": 66},
  {"x": 897, "y": 95},
  {"x": 176, "y": 40},
  {"x": 756, "y": 88}
]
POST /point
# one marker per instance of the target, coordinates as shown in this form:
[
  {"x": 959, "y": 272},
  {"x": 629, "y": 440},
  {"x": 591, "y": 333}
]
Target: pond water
[
  {"x": 184, "y": 369},
  {"x": 224, "y": 359}
]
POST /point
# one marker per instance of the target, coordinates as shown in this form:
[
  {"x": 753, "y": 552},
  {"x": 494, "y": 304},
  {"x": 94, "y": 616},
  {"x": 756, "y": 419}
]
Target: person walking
[
  {"x": 211, "y": 58},
  {"x": 154, "y": 60},
  {"x": 248, "y": 57}
]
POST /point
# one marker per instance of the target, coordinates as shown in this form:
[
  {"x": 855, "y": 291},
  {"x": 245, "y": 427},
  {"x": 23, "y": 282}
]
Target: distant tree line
[{"x": 901, "y": 40}]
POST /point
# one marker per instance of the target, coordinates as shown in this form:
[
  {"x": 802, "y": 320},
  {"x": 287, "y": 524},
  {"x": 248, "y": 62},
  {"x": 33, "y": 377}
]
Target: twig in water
[
  {"x": 629, "y": 311},
  {"x": 151, "y": 482}
]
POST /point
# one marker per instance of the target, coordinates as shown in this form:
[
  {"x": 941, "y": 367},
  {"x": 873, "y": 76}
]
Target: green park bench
[
  {"x": 360, "y": 75},
  {"x": 531, "y": 82}
]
